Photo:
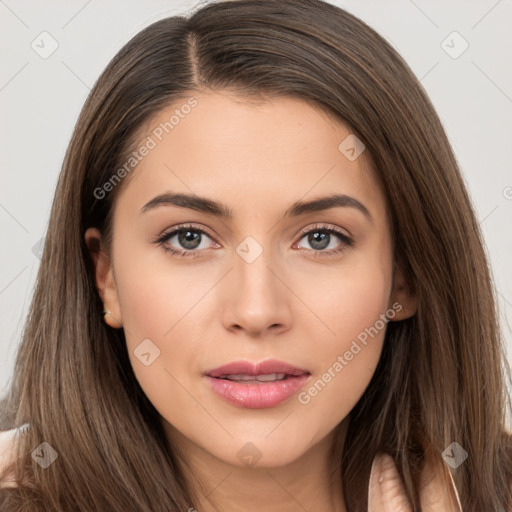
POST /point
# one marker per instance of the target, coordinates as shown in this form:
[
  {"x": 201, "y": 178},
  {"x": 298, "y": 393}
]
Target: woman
[{"x": 263, "y": 286}]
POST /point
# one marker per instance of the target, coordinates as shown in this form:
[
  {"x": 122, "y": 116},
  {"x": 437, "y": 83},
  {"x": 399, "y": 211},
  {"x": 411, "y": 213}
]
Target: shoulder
[{"x": 8, "y": 440}]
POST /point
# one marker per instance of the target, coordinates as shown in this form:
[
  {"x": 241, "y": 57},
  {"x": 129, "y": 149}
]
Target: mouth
[{"x": 257, "y": 385}]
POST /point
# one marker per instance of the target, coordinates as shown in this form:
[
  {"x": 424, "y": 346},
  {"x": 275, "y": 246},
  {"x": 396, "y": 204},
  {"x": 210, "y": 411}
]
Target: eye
[
  {"x": 320, "y": 238},
  {"x": 184, "y": 240}
]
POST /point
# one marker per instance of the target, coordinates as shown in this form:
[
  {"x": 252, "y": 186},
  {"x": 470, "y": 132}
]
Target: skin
[{"x": 291, "y": 303}]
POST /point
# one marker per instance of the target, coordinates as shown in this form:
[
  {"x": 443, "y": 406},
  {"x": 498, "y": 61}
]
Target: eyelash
[{"x": 347, "y": 241}]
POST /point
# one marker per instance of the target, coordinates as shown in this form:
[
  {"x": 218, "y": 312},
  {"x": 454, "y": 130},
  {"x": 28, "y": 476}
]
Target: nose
[{"x": 257, "y": 300}]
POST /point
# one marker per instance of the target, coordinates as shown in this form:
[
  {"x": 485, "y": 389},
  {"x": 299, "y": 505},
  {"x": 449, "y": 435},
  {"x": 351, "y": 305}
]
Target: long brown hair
[{"x": 442, "y": 374}]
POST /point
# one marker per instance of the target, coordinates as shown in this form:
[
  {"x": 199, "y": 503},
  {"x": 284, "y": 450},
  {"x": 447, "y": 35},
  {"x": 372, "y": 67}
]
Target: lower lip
[{"x": 257, "y": 396}]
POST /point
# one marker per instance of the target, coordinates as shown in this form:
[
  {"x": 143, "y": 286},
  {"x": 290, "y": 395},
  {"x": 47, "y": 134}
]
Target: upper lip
[{"x": 263, "y": 368}]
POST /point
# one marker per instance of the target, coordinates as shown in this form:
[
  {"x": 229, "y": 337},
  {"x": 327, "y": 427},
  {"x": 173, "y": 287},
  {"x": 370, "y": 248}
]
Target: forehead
[{"x": 249, "y": 151}]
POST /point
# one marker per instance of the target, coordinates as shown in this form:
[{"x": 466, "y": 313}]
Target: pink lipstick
[{"x": 257, "y": 385}]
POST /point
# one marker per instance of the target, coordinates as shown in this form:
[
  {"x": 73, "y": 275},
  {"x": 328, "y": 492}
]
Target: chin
[{"x": 258, "y": 453}]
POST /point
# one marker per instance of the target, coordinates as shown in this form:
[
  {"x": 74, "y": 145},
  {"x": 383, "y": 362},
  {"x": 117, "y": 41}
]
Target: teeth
[
  {"x": 271, "y": 376},
  {"x": 261, "y": 378}
]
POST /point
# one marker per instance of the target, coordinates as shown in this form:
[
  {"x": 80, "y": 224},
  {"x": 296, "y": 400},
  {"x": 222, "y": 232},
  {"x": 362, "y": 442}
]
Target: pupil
[
  {"x": 319, "y": 240},
  {"x": 188, "y": 239}
]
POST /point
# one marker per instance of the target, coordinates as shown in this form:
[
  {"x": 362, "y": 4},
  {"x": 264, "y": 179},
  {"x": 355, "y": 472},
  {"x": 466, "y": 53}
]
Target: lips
[{"x": 256, "y": 386}]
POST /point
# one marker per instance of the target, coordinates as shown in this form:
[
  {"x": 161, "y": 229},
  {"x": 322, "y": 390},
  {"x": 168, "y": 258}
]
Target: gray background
[{"x": 40, "y": 100}]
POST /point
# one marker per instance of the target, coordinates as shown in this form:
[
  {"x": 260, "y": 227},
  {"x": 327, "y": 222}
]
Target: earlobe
[
  {"x": 110, "y": 320},
  {"x": 104, "y": 278},
  {"x": 403, "y": 298}
]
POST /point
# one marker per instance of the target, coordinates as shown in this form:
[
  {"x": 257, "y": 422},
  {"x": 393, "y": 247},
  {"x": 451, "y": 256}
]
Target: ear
[
  {"x": 403, "y": 299},
  {"x": 104, "y": 278}
]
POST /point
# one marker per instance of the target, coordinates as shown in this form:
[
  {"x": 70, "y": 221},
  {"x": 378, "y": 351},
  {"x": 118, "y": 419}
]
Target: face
[{"x": 309, "y": 287}]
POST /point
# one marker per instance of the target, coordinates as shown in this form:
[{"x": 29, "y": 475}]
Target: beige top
[{"x": 7, "y": 445}]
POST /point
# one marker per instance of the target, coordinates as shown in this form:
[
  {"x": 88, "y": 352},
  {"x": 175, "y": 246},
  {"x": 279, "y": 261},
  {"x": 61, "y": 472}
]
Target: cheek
[
  {"x": 353, "y": 308},
  {"x": 155, "y": 293},
  {"x": 349, "y": 299},
  {"x": 346, "y": 365},
  {"x": 164, "y": 306}
]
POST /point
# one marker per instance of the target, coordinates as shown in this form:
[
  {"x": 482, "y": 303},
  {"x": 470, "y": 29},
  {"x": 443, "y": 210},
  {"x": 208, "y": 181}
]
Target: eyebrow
[{"x": 202, "y": 204}]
